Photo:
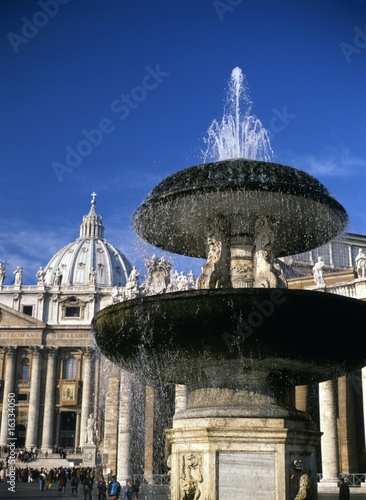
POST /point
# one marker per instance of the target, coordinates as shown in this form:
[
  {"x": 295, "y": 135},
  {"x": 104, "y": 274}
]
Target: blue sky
[{"x": 150, "y": 76}]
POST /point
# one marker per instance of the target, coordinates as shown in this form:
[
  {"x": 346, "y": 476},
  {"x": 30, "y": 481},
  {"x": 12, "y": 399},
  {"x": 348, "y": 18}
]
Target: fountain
[{"x": 242, "y": 340}]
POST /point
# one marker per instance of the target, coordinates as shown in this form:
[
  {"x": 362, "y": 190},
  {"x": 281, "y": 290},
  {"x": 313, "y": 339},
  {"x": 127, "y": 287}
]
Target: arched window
[
  {"x": 71, "y": 366},
  {"x": 24, "y": 374}
]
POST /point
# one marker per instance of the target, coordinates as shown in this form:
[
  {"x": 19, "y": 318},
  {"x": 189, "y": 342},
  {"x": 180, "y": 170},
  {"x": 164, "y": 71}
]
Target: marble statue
[
  {"x": 92, "y": 276},
  {"x": 158, "y": 279},
  {"x": 40, "y": 276},
  {"x": 132, "y": 285},
  {"x": 18, "y": 273},
  {"x": 191, "y": 477},
  {"x": 58, "y": 277},
  {"x": 2, "y": 272},
  {"x": 361, "y": 264},
  {"x": 318, "y": 272},
  {"x": 267, "y": 272},
  {"x": 90, "y": 429}
]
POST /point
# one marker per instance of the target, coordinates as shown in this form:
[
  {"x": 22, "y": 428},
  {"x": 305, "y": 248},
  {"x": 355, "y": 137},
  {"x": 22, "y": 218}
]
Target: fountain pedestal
[{"x": 240, "y": 458}]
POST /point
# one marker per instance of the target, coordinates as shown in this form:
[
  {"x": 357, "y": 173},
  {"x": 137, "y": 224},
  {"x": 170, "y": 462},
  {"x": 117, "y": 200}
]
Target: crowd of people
[{"x": 82, "y": 481}]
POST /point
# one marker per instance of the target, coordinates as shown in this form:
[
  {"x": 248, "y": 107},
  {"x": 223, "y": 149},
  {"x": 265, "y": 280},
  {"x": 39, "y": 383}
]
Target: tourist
[
  {"x": 62, "y": 483},
  {"x": 74, "y": 482},
  {"x": 42, "y": 480},
  {"x": 87, "y": 487},
  {"x": 102, "y": 488},
  {"x": 344, "y": 493},
  {"x": 114, "y": 489},
  {"x": 135, "y": 489},
  {"x": 127, "y": 490}
]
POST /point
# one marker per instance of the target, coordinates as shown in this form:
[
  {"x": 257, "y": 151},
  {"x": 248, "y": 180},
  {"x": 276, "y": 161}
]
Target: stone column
[
  {"x": 124, "y": 427},
  {"x": 8, "y": 390},
  {"x": 149, "y": 434},
  {"x": 329, "y": 441},
  {"x": 86, "y": 396},
  {"x": 49, "y": 403},
  {"x": 111, "y": 417},
  {"x": 34, "y": 397},
  {"x": 181, "y": 397},
  {"x": 347, "y": 427},
  {"x": 77, "y": 430},
  {"x": 301, "y": 397}
]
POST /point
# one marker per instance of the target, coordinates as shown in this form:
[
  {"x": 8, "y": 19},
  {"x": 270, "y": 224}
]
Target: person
[
  {"x": 114, "y": 488},
  {"x": 135, "y": 489},
  {"x": 42, "y": 480},
  {"x": 127, "y": 490},
  {"x": 62, "y": 483},
  {"x": 74, "y": 483},
  {"x": 344, "y": 493},
  {"x": 102, "y": 488},
  {"x": 88, "y": 487}
]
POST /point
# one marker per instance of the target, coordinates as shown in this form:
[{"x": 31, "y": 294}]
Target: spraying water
[{"x": 240, "y": 134}]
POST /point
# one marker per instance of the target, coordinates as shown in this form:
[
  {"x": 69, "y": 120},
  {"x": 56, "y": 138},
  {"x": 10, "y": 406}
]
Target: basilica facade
[{"x": 51, "y": 367}]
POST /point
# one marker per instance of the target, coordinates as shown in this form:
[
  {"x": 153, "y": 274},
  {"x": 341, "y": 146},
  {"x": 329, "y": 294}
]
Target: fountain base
[{"x": 240, "y": 458}]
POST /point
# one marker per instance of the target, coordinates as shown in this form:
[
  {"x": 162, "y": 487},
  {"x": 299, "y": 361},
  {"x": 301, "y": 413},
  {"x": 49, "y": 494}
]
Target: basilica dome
[{"x": 90, "y": 259}]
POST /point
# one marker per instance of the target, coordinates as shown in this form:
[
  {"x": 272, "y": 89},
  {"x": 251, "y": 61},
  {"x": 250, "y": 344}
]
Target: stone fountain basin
[
  {"x": 217, "y": 337},
  {"x": 242, "y": 190}
]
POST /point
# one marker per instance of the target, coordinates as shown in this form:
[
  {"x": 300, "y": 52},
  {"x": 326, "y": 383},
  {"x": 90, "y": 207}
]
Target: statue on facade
[
  {"x": 90, "y": 429},
  {"x": 92, "y": 276},
  {"x": 58, "y": 277},
  {"x": 40, "y": 276},
  {"x": 361, "y": 264},
  {"x": 18, "y": 273},
  {"x": 2, "y": 272},
  {"x": 318, "y": 272},
  {"x": 158, "y": 279},
  {"x": 132, "y": 285}
]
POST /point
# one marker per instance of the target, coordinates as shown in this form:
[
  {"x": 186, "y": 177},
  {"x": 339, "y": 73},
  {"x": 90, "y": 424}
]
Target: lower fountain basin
[{"x": 216, "y": 338}]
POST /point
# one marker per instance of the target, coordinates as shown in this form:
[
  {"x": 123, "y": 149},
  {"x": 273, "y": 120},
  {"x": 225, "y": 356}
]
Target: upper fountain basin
[{"x": 176, "y": 213}]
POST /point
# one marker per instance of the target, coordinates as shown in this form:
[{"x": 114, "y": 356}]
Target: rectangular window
[
  {"x": 72, "y": 312},
  {"x": 28, "y": 310},
  {"x": 22, "y": 397}
]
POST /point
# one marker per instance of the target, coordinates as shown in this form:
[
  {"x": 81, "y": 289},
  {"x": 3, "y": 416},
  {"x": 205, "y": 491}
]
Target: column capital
[
  {"x": 88, "y": 351},
  {"x": 36, "y": 350},
  {"x": 10, "y": 350},
  {"x": 52, "y": 351}
]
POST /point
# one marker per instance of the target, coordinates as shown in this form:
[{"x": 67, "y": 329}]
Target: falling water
[{"x": 240, "y": 134}]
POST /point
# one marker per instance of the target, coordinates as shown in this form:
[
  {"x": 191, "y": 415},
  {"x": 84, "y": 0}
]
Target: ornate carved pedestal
[
  {"x": 237, "y": 457},
  {"x": 89, "y": 455}
]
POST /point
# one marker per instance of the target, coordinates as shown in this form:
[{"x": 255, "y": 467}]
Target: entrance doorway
[
  {"x": 20, "y": 435},
  {"x": 67, "y": 429}
]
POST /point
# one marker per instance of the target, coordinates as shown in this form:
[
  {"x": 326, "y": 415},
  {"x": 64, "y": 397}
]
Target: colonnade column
[
  {"x": 33, "y": 408},
  {"x": 149, "y": 433},
  {"x": 181, "y": 398},
  {"x": 329, "y": 441},
  {"x": 85, "y": 402},
  {"x": 124, "y": 426},
  {"x": 111, "y": 415},
  {"x": 10, "y": 353},
  {"x": 49, "y": 404}
]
